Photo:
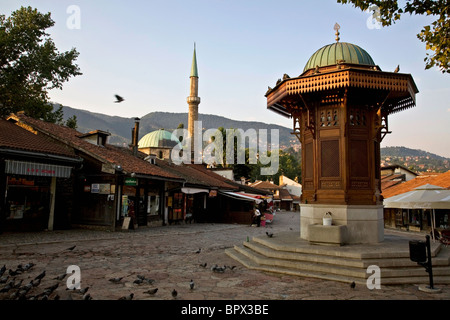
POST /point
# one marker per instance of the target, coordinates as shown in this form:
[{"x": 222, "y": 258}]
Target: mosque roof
[
  {"x": 339, "y": 52},
  {"x": 158, "y": 138}
]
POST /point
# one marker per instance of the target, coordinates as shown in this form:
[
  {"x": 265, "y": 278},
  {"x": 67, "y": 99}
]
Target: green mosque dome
[
  {"x": 339, "y": 51},
  {"x": 157, "y": 139}
]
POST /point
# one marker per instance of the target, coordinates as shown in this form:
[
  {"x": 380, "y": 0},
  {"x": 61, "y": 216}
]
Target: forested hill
[
  {"x": 414, "y": 159},
  {"x": 120, "y": 127}
]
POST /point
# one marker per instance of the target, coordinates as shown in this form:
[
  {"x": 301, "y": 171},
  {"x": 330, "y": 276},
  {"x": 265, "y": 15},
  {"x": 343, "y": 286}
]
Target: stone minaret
[{"x": 193, "y": 100}]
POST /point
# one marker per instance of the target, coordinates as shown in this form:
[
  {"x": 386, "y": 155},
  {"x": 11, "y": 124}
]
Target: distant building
[
  {"x": 392, "y": 175},
  {"x": 158, "y": 142},
  {"x": 417, "y": 219}
]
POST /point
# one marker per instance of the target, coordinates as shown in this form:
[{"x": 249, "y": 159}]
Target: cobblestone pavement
[{"x": 168, "y": 256}]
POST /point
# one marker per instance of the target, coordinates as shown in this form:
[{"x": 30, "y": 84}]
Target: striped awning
[{"x": 37, "y": 169}]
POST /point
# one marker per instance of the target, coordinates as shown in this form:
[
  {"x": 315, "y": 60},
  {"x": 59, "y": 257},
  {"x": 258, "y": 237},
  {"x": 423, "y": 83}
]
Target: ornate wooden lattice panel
[
  {"x": 309, "y": 161},
  {"x": 357, "y": 117},
  {"x": 329, "y": 155},
  {"x": 329, "y": 117},
  {"x": 358, "y": 159}
]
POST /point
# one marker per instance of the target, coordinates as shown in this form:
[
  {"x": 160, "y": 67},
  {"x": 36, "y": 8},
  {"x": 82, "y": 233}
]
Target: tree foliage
[
  {"x": 288, "y": 160},
  {"x": 31, "y": 65},
  {"x": 435, "y": 36}
]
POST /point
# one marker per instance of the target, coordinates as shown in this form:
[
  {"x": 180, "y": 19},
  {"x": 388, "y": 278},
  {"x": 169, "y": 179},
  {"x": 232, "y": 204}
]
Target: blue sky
[{"x": 142, "y": 50}]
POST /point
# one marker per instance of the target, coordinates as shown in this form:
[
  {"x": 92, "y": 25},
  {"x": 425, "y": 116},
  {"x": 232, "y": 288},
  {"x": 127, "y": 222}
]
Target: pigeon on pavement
[
  {"x": 116, "y": 280},
  {"x": 128, "y": 297},
  {"x": 151, "y": 291}
]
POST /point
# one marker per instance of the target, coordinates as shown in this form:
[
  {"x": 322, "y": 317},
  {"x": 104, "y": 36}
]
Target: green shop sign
[{"x": 131, "y": 182}]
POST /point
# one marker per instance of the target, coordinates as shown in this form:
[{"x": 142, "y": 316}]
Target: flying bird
[
  {"x": 397, "y": 69},
  {"x": 119, "y": 99},
  {"x": 151, "y": 291},
  {"x": 269, "y": 234},
  {"x": 191, "y": 284}
]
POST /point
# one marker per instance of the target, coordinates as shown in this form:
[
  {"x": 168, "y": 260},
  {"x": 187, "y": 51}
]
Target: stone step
[
  {"x": 338, "y": 260},
  {"x": 250, "y": 264},
  {"x": 289, "y": 255},
  {"x": 418, "y": 277},
  {"x": 291, "y": 245}
]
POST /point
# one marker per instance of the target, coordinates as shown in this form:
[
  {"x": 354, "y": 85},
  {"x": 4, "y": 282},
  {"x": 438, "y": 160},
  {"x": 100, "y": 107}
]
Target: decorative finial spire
[
  {"x": 337, "y": 27},
  {"x": 194, "y": 72}
]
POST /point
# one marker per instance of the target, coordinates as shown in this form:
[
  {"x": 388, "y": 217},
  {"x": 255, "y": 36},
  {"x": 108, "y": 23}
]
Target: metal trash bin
[{"x": 418, "y": 251}]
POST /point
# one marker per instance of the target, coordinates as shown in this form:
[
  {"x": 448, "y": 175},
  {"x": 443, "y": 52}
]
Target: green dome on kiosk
[{"x": 342, "y": 52}]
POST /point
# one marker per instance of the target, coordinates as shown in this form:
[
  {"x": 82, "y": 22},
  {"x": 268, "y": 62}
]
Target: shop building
[
  {"x": 36, "y": 179},
  {"x": 112, "y": 183}
]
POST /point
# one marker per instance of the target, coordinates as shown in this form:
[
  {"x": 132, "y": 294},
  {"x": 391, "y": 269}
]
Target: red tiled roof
[
  {"x": 15, "y": 137},
  {"x": 265, "y": 185},
  {"x": 285, "y": 195},
  {"x": 106, "y": 154},
  {"x": 391, "y": 180},
  {"x": 196, "y": 174},
  {"x": 441, "y": 180}
]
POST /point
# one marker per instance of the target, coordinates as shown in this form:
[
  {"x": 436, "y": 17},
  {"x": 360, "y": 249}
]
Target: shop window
[
  {"x": 177, "y": 206},
  {"x": 27, "y": 198},
  {"x": 153, "y": 205}
]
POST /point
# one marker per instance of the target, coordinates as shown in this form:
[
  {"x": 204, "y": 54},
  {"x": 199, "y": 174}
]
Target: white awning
[
  {"x": 193, "y": 190},
  {"x": 37, "y": 169},
  {"x": 240, "y": 196},
  {"x": 423, "y": 197}
]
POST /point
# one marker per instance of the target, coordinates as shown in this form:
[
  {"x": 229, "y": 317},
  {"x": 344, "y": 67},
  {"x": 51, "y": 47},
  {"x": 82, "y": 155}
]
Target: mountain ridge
[{"x": 120, "y": 129}]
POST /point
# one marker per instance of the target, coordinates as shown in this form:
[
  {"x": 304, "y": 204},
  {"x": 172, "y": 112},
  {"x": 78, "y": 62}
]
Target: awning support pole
[{"x": 51, "y": 217}]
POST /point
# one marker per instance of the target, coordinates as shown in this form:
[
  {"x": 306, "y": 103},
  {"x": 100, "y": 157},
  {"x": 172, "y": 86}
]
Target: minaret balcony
[{"x": 193, "y": 99}]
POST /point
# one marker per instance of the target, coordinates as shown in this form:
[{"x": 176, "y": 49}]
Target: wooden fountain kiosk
[{"x": 340, "y": 106}]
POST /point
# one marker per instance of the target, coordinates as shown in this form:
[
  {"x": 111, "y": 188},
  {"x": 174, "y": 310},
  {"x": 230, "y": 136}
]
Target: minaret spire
[{"x": 194, "y": 71}]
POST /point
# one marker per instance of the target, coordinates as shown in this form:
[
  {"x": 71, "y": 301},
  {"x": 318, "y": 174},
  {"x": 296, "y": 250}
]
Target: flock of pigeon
[
  {"x": 14, "y": 289},
  {"x": 143, "y": 280}
]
